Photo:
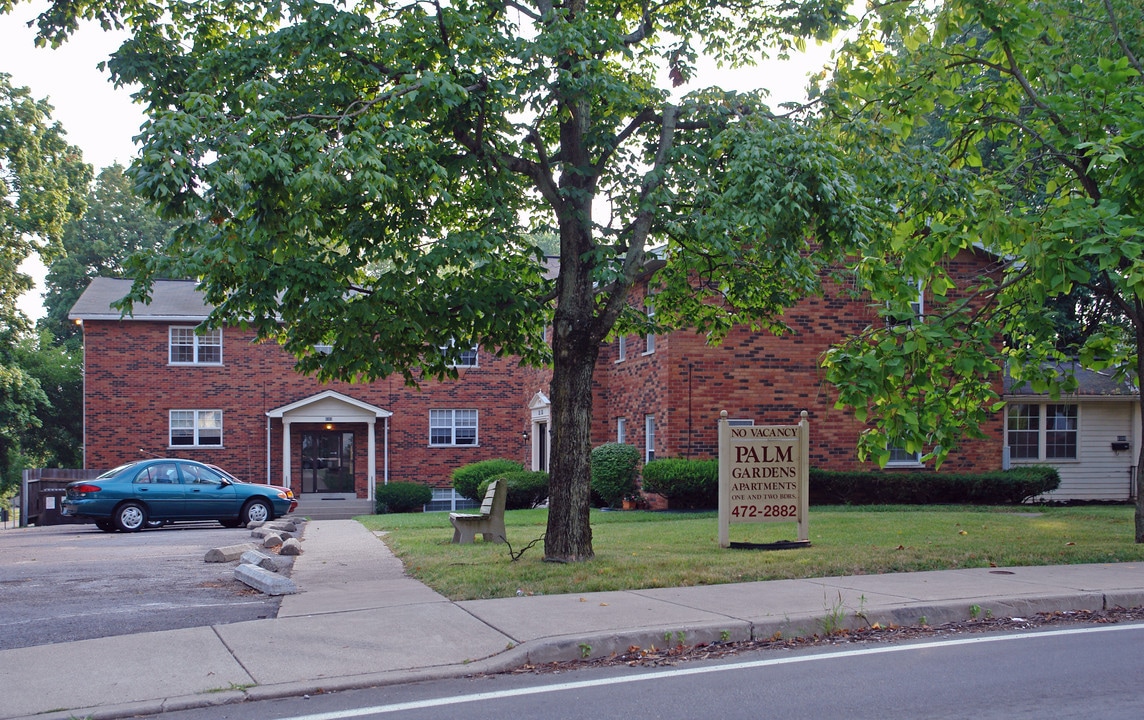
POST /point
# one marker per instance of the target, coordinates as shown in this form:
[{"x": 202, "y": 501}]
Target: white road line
[{"x": 680, "y": 672}]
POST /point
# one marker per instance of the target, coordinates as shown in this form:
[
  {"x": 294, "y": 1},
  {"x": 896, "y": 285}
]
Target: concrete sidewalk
[{"x": 358, "y": 621}]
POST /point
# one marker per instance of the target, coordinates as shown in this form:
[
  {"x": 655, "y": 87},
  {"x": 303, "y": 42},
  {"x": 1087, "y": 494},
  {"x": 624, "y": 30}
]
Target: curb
[{"x": 603, "y": 644}]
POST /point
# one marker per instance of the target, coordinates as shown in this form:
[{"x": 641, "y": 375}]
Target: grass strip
[{"x": 640, "y": 549}]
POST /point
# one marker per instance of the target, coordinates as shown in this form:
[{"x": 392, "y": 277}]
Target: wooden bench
[{"x": 490, "y": 523}]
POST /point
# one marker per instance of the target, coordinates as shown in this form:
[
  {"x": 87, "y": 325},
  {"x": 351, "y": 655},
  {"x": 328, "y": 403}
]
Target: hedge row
[
  {"x": 695, "y": 484},
  {"x": 401, "y": 497},
  {"x": 1001, "y": 487},
  {"x": 467, "y": 479},
  {"x": 526, "y": 489}
]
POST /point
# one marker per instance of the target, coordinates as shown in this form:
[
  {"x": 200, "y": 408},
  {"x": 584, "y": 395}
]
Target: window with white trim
[
  {"x": 621, "y": 430},
  {"x": 186, "y": 347},
  {"x": 1042, "y": 432},
  {"x": 917, "y": 306},
  {"x": 196, "y": 428},
  {"x": 463, "y": 358},
  {"x": 649, "y": 339},
  {"x": 649, "y": 438},
  {"x": 452, "y": 427},
  {"x": 621, "y": 348},
  {"x": 901, "y": 456}
]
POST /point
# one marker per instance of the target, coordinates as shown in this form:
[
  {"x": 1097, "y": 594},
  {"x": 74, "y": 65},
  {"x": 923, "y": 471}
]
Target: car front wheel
[
  {"x": 255, "y": 511},
  {"x": 130, "y": 517}
]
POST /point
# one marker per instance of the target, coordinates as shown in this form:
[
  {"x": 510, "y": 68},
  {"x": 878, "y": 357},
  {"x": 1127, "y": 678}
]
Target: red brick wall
[
  {"x": 130, "y": 389},
  {"x": 687, "y": 383}
]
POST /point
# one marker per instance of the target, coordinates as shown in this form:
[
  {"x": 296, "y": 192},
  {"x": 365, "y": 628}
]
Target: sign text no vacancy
[{"x": 764, "y": 476}]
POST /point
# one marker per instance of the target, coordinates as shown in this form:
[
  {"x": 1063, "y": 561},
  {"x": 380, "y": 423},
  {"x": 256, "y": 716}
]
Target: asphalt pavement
[{"x": 359, "y": 621}]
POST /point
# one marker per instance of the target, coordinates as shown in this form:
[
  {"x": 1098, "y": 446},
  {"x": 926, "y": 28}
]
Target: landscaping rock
[
  {"x": 228, "y": 553},
  {"x": 260, "y": 559},
  {"x": 264, "y": 580},
  {"x": 291, "y": 547}
]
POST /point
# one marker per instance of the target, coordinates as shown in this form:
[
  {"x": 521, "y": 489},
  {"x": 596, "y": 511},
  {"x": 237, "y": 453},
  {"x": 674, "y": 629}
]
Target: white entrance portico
[
  {"x": 332, "y": 410},
  {"x": 540, "y": 409}
]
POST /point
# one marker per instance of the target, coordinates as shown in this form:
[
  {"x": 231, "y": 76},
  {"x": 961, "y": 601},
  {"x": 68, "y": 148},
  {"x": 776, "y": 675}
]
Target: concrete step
[{"x": 332, "y": 509}]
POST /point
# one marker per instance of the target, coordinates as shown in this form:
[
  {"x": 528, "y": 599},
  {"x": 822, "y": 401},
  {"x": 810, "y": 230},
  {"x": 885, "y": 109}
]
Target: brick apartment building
[{"x": 154, "y": 387}]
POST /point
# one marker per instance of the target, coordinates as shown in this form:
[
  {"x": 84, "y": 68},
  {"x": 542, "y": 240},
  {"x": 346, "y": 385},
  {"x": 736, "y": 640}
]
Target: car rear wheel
[
  {"x": 130, "y": 517},
  {"x": 105, "y": 525},
  {"x": 255, "y": 511}
]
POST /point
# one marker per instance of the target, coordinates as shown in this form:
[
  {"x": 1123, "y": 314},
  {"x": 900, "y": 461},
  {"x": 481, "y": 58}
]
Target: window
[
  {"x": 196, "y": 428},
  {"x": 649, "y": 346},
  {"x": 452, "y": 427},
  {"x": 447, "y": 500},
  {"x": 621, "y": 430},
  {"x": 1042, "y": 432},
  {"x": 621, "y": 348},
  {"x": 901, "y": 456},
  {"x": 188, "y": 348},
  {"x": 1060, "y": 432},
  {"x": 1024, "y": 431},
  {"x": 466, "y": 357},
  {"x": 917, "y": 307},
  {"x": 649, "y": 438}
]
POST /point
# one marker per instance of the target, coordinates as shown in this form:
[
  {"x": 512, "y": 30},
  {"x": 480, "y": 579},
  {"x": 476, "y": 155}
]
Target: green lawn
[{"x": 663, "y": 549}]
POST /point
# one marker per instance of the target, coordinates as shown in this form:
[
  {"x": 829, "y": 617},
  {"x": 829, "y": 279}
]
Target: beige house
[{"x": 1090, "y": 436}]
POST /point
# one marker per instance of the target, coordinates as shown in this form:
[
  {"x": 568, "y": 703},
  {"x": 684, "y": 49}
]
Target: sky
[{"x": 102, "y": 119}]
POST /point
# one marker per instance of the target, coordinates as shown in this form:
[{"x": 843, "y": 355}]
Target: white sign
[{"x": 764, "y": 474}]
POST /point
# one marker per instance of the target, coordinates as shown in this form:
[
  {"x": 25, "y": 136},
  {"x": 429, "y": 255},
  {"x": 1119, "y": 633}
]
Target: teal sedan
[{"x": 148, "y": 493}]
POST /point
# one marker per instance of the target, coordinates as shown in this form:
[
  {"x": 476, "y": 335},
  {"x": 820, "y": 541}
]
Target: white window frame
[
  {"x": 621, "y": 430},
  {"x": 1043, "y": 431},
  {"x": 199, "y": 343},
  {"x": 456, "y": 424},
  {"x": 649, "y": 438},
  {"x": 467, "y": 358},
  {"x": 904, "y": 458},
  {"x": 621, "y": 348},
  {"x": 649, "y": 339},
  {"x": 203, "y": 426}
]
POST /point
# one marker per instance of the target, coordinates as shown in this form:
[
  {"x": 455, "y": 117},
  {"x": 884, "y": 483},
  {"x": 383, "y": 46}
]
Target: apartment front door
[{"x": 327, "y": 461}]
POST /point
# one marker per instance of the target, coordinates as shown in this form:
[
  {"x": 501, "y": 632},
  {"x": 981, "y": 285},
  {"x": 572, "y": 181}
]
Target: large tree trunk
[{"x": 569, "y": 535}]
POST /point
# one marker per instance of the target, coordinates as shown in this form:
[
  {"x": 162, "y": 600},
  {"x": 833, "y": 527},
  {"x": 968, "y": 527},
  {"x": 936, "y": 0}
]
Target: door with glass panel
[{"x": 327, "y": 461}]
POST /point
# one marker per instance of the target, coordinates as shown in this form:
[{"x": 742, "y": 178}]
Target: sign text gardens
[{"x": 763, "y": 476}]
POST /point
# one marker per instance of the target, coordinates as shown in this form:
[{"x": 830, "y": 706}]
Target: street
[{"x": 1080, "y": 671}]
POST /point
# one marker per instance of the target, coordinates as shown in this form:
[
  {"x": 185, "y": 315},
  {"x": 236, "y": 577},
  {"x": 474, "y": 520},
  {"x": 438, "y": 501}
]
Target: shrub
[
  {"x": 402, "y": 497},
  {"x": 686, "y": 483},
  {"x": 1002, "y": 487},
  {"x": 468, "y": 478},
  {"x": 614, "y": 468},
  {"x": 526, "y": 489},
  {"x": 695, "y": 484}
]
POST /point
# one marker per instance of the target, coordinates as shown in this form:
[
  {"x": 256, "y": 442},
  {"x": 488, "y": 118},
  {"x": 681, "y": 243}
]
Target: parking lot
[{"x": 73, "y": 582}]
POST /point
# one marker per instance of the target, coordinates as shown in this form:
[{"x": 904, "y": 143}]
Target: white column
[
  {"x": 286, "y": 453},
  {"x": 372, "y": 457}
]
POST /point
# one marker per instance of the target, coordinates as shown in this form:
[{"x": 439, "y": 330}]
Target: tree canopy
[
  {"x": 1038, "y": 108},
  {"x": 42, "y": 180},
  {"x": 116, "y": 224},
  {"x": 370, "y": 176}
]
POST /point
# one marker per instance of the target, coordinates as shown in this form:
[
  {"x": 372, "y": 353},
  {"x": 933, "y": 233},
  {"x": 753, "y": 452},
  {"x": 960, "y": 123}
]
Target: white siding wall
[{"x": 1098, "y": 473}]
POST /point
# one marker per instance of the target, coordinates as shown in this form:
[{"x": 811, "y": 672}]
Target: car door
[
  {"x": 157, "y": 485},
  {"x": 208, "y": 496}
]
